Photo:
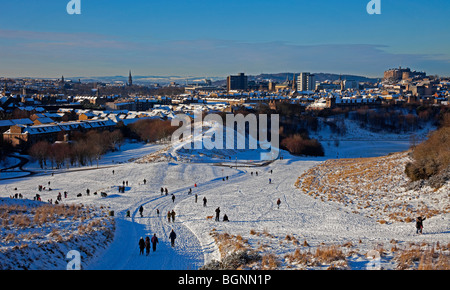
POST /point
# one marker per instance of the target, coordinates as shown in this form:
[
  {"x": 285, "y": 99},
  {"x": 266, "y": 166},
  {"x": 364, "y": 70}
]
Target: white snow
[{"x": 248, "y": 200}]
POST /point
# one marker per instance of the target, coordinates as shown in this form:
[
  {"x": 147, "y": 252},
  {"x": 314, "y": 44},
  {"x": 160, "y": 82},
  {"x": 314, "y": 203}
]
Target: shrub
[
  {"x": 152, "y": 130},
  {"x": 301, "y": 145},
  {"x": 329, "y": 254},
  {"x": 430, "y": 157}
]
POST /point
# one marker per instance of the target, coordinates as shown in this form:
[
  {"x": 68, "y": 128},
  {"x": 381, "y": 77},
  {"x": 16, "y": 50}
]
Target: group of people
[
  {"x": 225, "y": 217},
  {"x": 145, "y": 244},
  {"x": 171, "y": 215}
]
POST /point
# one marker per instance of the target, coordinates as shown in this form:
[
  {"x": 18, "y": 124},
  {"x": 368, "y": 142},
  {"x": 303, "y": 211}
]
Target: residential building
[
  {"x": 238, "y": 82},
  {"x": 305, "y": 82}
]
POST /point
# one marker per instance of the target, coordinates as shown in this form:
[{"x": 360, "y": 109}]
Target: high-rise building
[
  {"x": 239, "y": 82},
  {"x": 305, "y": 82}
]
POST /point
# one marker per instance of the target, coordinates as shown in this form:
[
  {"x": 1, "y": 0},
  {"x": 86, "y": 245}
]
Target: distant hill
[
  {"x": 145, "y": 80},
  {"x": 218, "y": 81},
  {"x": 320, "y": 77}
]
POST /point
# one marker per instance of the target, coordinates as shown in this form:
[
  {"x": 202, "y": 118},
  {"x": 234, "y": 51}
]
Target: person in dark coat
[
  {"x": 169, "y": 215},
  {"x": 225, "y": 218},
  {"x": 147, "y": 245},
  {"x": 173, "y": 198},
  {"x": 419, "y": 224},
  {"x": 278, "y": 203},
  {"x": 141, "y": 209},
  {"x": 154, "y": 242},
  {"x": 141, "y": 246},
  {"x": 217, "y": 214},
  {"x": 204, "y": 201},
  {"x": 172, "y": 214},
  {"x": 172, "y": 237}
]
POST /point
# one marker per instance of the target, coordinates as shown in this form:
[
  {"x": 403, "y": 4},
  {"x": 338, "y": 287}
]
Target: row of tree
[
  {"x": 84, "y": 149},
  {"x": 151, "y": 130}
]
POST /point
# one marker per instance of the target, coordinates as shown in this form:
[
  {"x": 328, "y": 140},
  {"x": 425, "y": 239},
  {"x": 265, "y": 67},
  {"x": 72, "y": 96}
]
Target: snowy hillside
[
  {"x": 36, "y": 235},
  {"x": 303, "y": 232}
]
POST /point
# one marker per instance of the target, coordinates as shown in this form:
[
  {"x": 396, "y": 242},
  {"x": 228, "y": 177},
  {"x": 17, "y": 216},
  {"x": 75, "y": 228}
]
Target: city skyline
[{"x": 205, "y": 38}]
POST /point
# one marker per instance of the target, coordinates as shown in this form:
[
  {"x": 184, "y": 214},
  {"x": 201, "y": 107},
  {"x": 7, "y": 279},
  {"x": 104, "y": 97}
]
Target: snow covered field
[{"x": 301, "y": 222}]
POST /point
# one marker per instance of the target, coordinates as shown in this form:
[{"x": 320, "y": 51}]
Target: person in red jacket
[{"x": 147, "y": 245}]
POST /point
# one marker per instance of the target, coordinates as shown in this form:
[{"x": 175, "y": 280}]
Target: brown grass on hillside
[
  {"x": 229, "y": 243},
  {"x": 374, "y": 187},
  {"x": 425, "y": 257}
]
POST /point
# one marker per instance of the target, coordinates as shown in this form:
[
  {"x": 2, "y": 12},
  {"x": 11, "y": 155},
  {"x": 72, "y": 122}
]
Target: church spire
[{"x": 130, "y": 79}]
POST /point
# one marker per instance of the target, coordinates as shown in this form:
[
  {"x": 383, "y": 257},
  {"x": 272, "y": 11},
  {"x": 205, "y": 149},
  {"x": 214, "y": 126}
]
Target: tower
[
  {"x": 294, "y": 82},
  {"x": 130, "y": 79},
  {"x": 305, "y": 82}
]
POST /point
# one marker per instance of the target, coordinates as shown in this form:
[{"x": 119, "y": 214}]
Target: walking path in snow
[{"x": 249, "y": 201}]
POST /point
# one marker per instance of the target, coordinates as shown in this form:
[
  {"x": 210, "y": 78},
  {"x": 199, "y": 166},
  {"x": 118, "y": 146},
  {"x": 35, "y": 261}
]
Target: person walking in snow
[
  {"x": 141, "y": 246},
  {"x": 204, "y": 201},
  {"x": 278, "y": 203},
  {"x": 169, "y": 215},
  {"x": 172, "y": 214},
  {"x": 147, "y": 246},
  {"x": 154, "y": 242},
  {"x": 172, "y": 237},
  {"x": 162, "y": 191},
  {"x": 141, "y": 209},
  {"x": 419, "y": 224},
  {"x": 173, "y": 198},
  {"x": 196, "y": 197},
  {"x": 217, "y": 214}
]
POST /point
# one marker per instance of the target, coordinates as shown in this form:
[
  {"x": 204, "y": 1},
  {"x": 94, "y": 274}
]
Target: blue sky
[{"x": 221, "y": 37}]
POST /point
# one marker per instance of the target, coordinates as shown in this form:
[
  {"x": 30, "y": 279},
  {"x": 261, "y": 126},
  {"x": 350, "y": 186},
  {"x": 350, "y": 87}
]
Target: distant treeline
[
  {"x": 83, "y": 149},
  {"x": 86, "y": 148},
  {"x": 395, "y": 120}
]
